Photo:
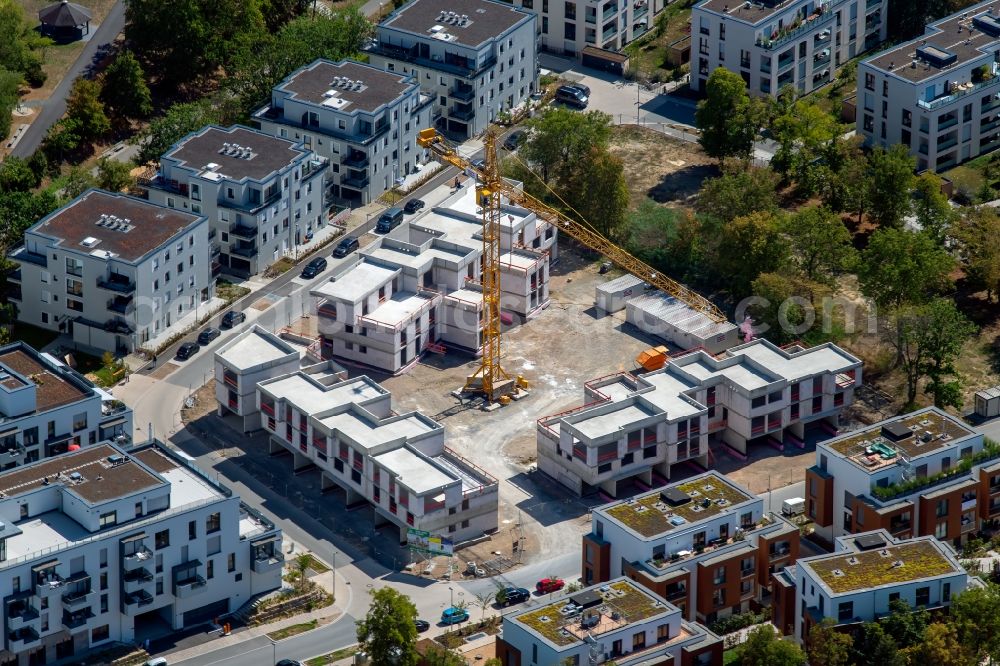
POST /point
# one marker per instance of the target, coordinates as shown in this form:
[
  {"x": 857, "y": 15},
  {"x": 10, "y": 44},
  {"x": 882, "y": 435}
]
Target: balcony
[
  {"x": 957, "y": 93},
  {"x": 137, "y": 578},
  {"x": 14, "y": 275},
  {"x": 677, "y": 594},
  {"x": 462, "y": 93},
  {"x": 947, "y": 143},
  {"x": 137, "y": 558},
  {"x": 117, "y": 325},
  {"x": 609, "y": 11},
  {"x": 244, "y": 231},
  {"x": 77, "y": 598},
  {"x": 356, "y": 160},
  {"x": 747, "y": 572},
  {"x": 22, "y": 618},
  {"x": 780, "y": 552},
  {"x": 461, "y": 113},
  {"x": 354, "y": 182},
  {"x": 49, "y": 587},
  {"x": 22, "y": 639},
  {"x": 77, "y": 620},
  {"x": 268, "y": 562},
  {"x": 122, "y": 305},
  {"x": 969, "y": 503},
  {"x": 134, "y": 603},
  {"x": 779, "y": 38},
  {"x": 117, "y": 283},
  {"x": 452, "y": 63},
  {"x": 243, "y": 249},
  {"x": 945, "y": 123}
]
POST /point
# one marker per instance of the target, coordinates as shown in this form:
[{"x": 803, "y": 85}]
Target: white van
[
  {"x": 157, "y": 661},
  {"x": 793, "y": 506}
]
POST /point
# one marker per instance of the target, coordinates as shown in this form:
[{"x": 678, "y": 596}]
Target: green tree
[
  {"x": 901, "y": 267},
  {"x": 978, "y": 230},
  {"x": 729, "y": 120},
  {"x": 780, "y": 311},
  {"x": 930, "y": 337},
  {"x": 113, "y": 175},
  {"x": 10, "y": 83},
  {"x": 39, "y": 164},
  {"x": 597, "y": 190},
  {"x": 124, "y": 89},
  {"x": 939, "y": 646},
  {"x": 20, "y": 210},
  {"x": 665, "y": 238},
  {"x": 20, "y": 45},
  {"x": 560, "y": 138},
  {"x": 439, "y": 656},
  {"x": 748, "y": 246},
  {"x": 77, "y": 181},
  {"x": 16, "y": 175},
  {"x": 765, "y": 648},
  {"x": 975, "y": 614},
  {"x": 803, "y": 135},
  {"x": 388, "y": 633},
  {"x": 279, "y": 12},
  {"x": 179, "y": 121},
  {"x": 739, "y": 192},
  {"x": 62, "y": 139},
  {"x": 827, "y": 646},
  {"x": 820, "y": 243},
  {"x": 931, "y": 208},
  {"x": 86, "y": 108},
  {"x": 890, "y": 179},
  {"x": 483, "y": 600},
  {"x": 905, "y": 624},
  {"x": 874, "y": 646}
]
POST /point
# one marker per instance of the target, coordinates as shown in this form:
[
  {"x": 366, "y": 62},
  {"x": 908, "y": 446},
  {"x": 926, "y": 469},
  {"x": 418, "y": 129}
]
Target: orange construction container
[{"x": 653, "y": 358}]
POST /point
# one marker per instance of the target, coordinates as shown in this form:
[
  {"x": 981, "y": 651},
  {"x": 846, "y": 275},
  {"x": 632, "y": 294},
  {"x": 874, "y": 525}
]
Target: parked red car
[{"x": 547, "y": 585}]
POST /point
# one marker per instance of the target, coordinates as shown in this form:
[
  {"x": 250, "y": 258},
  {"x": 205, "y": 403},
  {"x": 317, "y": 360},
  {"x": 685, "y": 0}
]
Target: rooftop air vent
[
  {"x": 936, "y": 56},
  {"x": 988, "y": 24},
  {"x": 89, "y": 241},
  {"x": 837, "y": 573}
]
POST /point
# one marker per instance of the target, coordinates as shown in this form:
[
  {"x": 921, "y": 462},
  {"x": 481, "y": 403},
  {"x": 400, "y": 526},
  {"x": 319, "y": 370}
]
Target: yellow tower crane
[{"x": 491, "y": 379}]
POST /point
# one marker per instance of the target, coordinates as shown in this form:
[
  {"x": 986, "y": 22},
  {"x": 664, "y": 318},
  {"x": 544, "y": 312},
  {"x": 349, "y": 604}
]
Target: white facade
[
  {"x": 94, "y": 539},
  {"x": 476, "y": 58},
  {"x": 397, "y": 462},
  {"x": 569, "y": 27},
  {"x": 112, "y": 271},
  {"x": 638, "y": 426},
  {"x": 938, "y": 95},
  {"x": 772, "y": 44},
  {"x": 45, "y": 408},
  {"x": 929, "y": 575},
  {"x": 261, "y": 194},
  {"x": 362, "y": 119},
  {"x": 419, "y": 286}
]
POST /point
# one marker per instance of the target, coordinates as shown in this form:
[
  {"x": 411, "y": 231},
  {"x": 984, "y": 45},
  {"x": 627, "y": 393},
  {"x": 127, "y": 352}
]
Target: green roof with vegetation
[
  {"x": 902, "y": 563},
  {"x": 624, "y": 597},
  {"x": 991, "y": 451},
  {"x": 649, "y": 515},
  {"x": 924, "y": 421}
]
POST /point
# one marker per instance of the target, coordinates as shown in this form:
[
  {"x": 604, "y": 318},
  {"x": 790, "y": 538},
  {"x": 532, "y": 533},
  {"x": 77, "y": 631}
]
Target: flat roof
[
  {"x": 893, "y": 565},
  {"x": 623, "y": 603},
  {"x": 366, "y": 430},
  {"x": 485, "y": 20},
  {"x": 649, "y": 515},
  {"x": 372, "y": 88},
  {"x": 946, "y": 45},
  {"x": 413, "y": 471},
  {"x": 519, "y": 259},
  {"x": 675, "y": 312},
  {"x": 86, "y": 472},
  {"x": 52, "y": 388},
  {"x": 400, "y": 307},
  {"x": 871, "y": 448},
  {"x": 268, "y": 154},
  {"x": 748, "y": 12},
  {"x": 738, "y": 373},
  {"x": 796, "y": 364},
  {"x": 355, "y": 283},
  {"x": 311, "y": 397},
  {"x": 106, "y": 224},
  {"x": 594, "y": 424},
  {"x": 254, "y": 347}
]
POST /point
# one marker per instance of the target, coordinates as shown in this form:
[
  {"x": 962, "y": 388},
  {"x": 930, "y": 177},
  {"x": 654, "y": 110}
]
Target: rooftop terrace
[
  {"x": 685, "y": 503},
  {"x": 895, "y": 564},
  {"x": 618, "y": 605},
  {"x": 52, "y": 388},
  {"x": 911, "y": 436}
]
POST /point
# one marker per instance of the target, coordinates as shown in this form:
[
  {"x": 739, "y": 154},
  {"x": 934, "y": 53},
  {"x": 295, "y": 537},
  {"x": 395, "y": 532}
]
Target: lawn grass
[
  {"x": 648, "y": 55},
  {"x": 280, "y": 266},
  {"x": 293, "y": 630},
  {"x": 316, "y": 565},
  {"x": 730, "y": 657},
  {"x": 342, "y": 653},
  {"x": 32, "y": 335},
  {"x": 230, "y": 292}
]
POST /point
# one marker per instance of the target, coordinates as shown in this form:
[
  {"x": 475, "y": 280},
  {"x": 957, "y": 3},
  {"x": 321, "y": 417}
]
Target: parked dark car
[
  {"x": 513, "y": 595},
  {"x": 389, "y": 220},
  {"x": 187, "y": 350},
  {"x": 479, "y": 164},
  {"x": 232, "y": 318},
  {"x": 288, "y": 662},
  {"x": 208, "y": 335},
  {"x": 412, "y": 206},
  {"x": 422, "y": 625},
  {"x": 314, "y": 268},
  {"x": 582, "y": 88},
  {"x": 572, "y": 97},
  {"x": 514, "y": 139},
  {"x": 345, "y": 247}
]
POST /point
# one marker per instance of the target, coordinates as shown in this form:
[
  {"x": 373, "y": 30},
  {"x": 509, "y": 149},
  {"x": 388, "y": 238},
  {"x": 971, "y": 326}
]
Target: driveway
[{"x": 54, "y": 107}]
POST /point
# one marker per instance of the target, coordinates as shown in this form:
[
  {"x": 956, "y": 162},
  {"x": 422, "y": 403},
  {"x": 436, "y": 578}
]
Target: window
[
  {"x": 942, "y": 508},
  {"x": 213, "y": 523},
  {"x": 80, "y": 422},
  {"x": 941, "y": 530},
  {"x": 99, "y": 634},
  {"x": 103, "y": 580},
  {"x": 192, "y": 530},
  {"x": 845, "y": 611},
  {"x": 210, "y": 569},
  {"x": 923, "y": 596},
  {"x": 231, "y": 562},
  {"x": 108, "y": 519},
  {"x": 162, "y": 539},
  {"x": 720, "y": 576}
]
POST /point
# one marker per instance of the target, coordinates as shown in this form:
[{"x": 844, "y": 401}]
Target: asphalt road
[{"x": 55, "y": 106}]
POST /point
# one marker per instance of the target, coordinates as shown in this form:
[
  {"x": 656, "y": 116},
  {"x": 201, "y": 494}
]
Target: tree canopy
[
  {"x": 890, "y": 179},
  {"x": 124, "y": 89},
  {"x": 765, "y": 648},
  {"x": 179, "y": 121},
  {"x": 86, "y": 108},
  {"x": 900, "y": 267},
  {"x": 739, "y": 192},
  {"x": 558, "y": 137},
  {"x": 729, "y": 119},
  {"x": 388, "y": 633}
]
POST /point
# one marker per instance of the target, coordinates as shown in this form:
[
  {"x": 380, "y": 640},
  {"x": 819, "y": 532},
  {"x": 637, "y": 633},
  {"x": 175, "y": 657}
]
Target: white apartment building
[
  {"x": 398, "y": 463},
  {"x": 939, "y": 94},
  {"x": 865, "y": 573},
  {"x": 107, "y": 544},
  {"x": 362, "y": 119},
  {"x": 419, "y": 286},
  {"x": 475, "y": 58},
  {"x": 111, "y": 271},
  {"x": 47, "y": 409},
  {"x": 639, "y": 427},
  {"x": 618, "y": 621},
  {"x": 261, "y": 194},
  {"x": 257, "y": 355},
  {"x": 705, "y": 544},
  {"x": 886, "y": 476},
  {"x": 772, "y": 44},
  {"x": 568, "y": 27}
]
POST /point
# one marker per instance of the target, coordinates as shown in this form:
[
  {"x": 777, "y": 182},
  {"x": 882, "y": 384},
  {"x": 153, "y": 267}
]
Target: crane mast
[{"x": 491, "y": 379}]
